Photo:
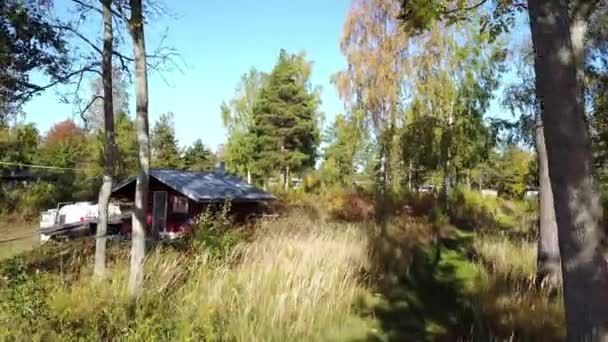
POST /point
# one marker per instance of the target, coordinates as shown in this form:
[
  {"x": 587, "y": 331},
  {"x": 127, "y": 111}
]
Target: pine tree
[
  {"x": 286, "y": 119},
  {"x": 126, "y": 142},
  {"x": 165, "y": 151},
  {"x": 198, "y": 157}
]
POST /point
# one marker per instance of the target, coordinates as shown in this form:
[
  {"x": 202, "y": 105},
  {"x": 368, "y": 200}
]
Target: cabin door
[{"x": 159, "y": 214}]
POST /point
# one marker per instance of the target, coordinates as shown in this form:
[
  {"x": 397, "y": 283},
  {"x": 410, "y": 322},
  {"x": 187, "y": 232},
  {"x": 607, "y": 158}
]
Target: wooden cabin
[{"x": 177, "y": 197}]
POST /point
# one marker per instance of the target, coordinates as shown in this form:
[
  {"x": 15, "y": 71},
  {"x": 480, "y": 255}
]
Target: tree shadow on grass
[
  {"x": 421, "y": 284},
  {"x": 431, "y": 290}
]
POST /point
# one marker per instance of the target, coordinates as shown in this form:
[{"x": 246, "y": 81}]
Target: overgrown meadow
[{"x": 325, "y": 269}]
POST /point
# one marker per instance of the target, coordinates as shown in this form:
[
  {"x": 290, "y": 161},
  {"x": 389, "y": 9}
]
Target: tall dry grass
[
  {"x": 506, "y": 257},
  {"x": 508, "y": 297},
  {"x": 296, "y": 280}
]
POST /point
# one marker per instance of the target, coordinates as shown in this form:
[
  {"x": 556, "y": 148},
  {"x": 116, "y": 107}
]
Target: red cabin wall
[{"x": 178, "y": 222}]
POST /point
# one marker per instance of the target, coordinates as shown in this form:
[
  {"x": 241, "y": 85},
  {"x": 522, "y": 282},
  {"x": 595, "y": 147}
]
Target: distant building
[
  {"x": 489, "y": 193},
  {"x": 426, "y": 188},
  {"x": 177, "y": 197},
  {"x": 531, "y": 193}
]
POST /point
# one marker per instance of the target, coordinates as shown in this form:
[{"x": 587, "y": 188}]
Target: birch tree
[
  {"x": 374, "y": 46},
  {"x": 455, "y": 76},
  {"x": 138, "y": 235},
  {"x": 237, "y": 118},
  {"x": 109, "y": 146}
]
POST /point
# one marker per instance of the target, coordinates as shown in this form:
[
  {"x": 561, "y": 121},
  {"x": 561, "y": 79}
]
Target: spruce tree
[
  {"x": 198, "y": 158},
  {"x": 165, "y": 151},
  {"x": 285, "y": 118}
]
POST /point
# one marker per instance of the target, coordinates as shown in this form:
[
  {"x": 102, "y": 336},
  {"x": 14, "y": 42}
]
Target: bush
[
  {"x": 348, "y": 205},
  {"x": 311, "y": 182},
  {"x": 470, "y": 210},
  {"x": 215, "y": 232},
  {"x": 423, "y": 204}
]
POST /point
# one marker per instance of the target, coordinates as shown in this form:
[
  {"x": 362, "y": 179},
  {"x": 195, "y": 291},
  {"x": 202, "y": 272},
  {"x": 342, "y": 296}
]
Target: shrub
[
  {"x": 423, "y": 204},
  {"x": 470, "y": 210},
  {"x": 215, "y": 231},
  {"x": 348, "y": 205},
  {"x": 311, "y": 182}
]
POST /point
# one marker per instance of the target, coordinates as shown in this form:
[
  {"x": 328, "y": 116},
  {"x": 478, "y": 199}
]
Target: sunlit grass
[
  {"x": 295, "y": 281},
  {"x": 17, "y": 237},
  {"x": 505, "y": 257},
  {"x": 298, "y": 277}
]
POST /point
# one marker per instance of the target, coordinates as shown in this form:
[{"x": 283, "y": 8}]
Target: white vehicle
[
  {"x": 489, "y": 193},
  {"x": 426, "y": 188},
  {"x": 74, "y": 213},
  {"x": 48, "y": 218}
]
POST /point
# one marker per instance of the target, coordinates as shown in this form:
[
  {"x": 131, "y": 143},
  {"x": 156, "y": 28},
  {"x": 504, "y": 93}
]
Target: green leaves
[
  {"x": 419, "y": 16},
  {"x": 456, "y": 75},
  {"x": 286, "y": 118},
  {"x": 198, "y": 158},
  {"x": 28, "y": 42},
  {"x": 165, "y": 151},
  {"x": 344, "y": 139}
]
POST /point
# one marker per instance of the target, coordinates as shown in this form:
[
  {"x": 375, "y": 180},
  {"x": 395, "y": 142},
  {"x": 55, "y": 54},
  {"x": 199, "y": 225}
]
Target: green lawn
[{"x": 17, "y": 237}]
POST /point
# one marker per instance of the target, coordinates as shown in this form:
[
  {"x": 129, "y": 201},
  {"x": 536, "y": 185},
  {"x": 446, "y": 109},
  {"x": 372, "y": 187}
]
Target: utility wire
[{"x": 41, "y": 166}]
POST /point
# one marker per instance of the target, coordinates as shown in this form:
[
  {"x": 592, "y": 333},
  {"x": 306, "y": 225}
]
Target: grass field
[
  {"x": 17, "y": 237},
  {"x": 303, "y": 276}
]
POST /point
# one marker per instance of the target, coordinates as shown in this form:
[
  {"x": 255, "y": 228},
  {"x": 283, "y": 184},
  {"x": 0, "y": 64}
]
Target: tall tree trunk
[
  {"x": 388, "y": 162},
  {"x": 447, "y": 172},
  {"x": 248, "y": 176},
  {"x": 138, "y": 235},
  {"x": 447, "y": 182},
  {"x": 577, "y": 209},
  {"x": 409, "y": 177},
  {"x": 580, "y": 9},
  {"x": 287, "y": 176},
  {"x": 382, "y": 182},
  {"x": 109, "y": 146},
  {"x": 548, "y": 244}
]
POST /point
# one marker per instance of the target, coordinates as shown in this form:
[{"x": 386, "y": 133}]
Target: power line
[{"x": 41, "y": 166}]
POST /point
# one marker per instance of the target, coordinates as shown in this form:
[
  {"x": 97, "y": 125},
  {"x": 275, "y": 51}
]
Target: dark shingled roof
[{"x": 206, "y": 186}]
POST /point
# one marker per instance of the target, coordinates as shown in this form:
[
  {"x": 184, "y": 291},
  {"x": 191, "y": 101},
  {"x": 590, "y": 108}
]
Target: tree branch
[
  {"x": 79, "y": 35},
  {"x": 86, "y": 108},
  {"x": 93, "y": 8},
  {"x": 447, "y": 11},
  {"x": 22, "y": 98}
]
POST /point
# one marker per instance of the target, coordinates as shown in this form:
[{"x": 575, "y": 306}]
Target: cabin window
[{"x": 180, "y": 205}]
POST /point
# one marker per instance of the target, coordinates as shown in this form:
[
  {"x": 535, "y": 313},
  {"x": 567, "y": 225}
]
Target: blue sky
[{"x": 219, "y": 40}]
